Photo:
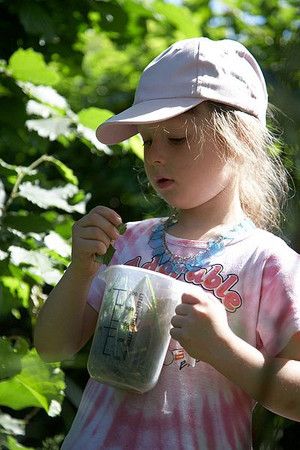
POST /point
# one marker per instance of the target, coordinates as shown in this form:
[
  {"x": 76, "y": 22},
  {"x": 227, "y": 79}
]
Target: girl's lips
[{"x": 164, "y": 183}]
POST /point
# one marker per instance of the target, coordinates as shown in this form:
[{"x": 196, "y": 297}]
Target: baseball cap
[{"x": 186, "y": 74}]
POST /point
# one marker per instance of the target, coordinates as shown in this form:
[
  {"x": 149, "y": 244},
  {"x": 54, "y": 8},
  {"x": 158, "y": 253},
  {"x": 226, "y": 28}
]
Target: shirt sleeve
[{"x": 279, "y": 311}]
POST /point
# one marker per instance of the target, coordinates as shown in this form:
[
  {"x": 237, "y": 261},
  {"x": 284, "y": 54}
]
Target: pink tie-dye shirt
[{"x": 257, "y": 278}]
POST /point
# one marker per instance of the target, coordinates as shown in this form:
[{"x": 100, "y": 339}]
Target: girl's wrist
[
  {"x": 79, "y": 274},
  {"x": 225, "y": 346}
]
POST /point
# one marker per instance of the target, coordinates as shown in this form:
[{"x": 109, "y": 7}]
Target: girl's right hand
[{"x": 91, "y": 236}]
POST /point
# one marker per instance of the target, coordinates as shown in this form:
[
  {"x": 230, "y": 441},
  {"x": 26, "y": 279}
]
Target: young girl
[{"x": 200, "y": 108}]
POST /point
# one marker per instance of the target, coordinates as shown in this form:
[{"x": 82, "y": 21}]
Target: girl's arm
[
  {"x": 66, "y": 321},
  {"x": 274, "y": 383},
  {"x": 201, "y": 327}
]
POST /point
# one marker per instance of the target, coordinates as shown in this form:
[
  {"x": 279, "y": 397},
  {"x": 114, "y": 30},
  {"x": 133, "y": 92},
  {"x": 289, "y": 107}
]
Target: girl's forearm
[
  {"x": 58, "y": 331},
  {"x": 274, "y": 383}
]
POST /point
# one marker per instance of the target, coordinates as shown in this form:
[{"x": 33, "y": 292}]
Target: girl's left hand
[{"x": 200, "y": 326}]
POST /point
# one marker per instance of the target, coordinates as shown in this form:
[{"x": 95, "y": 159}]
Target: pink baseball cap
[{"x": 186, "y": 74}]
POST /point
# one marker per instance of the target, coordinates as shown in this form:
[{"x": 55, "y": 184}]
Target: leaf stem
[{"x": 21, "y": 175}]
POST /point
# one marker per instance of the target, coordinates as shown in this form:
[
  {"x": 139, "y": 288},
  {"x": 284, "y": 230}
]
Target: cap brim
[{"x": 124, "y": 125}]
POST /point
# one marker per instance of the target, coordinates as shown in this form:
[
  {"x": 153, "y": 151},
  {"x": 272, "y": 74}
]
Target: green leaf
[
  {"x": 15, "y": 292},
  {"x": 36, "y": 20},
  {"x": 10, "y": 356},
  {"x": 66, "y": 172},
  {"x": 13, "y": 444},
  {"x": 28, "y": 65},
  {"x": 28, "y": 222},
  {"x": 38, "y": 384},
  {"x": 92, "y": 117},
  {"x": 179, "y": 16},
  {"x": 105, "y": 259}
]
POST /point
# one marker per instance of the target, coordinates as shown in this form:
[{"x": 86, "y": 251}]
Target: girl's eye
[{"x": 177, "y": 141}]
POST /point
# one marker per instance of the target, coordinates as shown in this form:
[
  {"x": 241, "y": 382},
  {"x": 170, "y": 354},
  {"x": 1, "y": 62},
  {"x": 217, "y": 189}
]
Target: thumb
[{"x": 189, "y": 299}]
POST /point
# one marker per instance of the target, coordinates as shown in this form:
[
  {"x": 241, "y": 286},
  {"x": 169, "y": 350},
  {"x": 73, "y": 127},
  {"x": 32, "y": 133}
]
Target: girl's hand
[
  {"x": 200, "y": 326},
  {"x": 91, "y": 236}
]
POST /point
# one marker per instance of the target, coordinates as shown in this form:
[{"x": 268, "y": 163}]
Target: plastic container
[{"x": 132, "y": 333}]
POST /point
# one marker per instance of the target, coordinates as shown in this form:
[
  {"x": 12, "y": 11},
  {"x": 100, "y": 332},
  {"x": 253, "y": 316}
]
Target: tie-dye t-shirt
[{"x": 257, "y": 278}]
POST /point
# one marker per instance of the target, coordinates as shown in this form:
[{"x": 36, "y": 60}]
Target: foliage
[{"x": 65, "y": 68}]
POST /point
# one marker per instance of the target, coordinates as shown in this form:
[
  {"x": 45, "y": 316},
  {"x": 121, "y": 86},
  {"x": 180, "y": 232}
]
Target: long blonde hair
[{"x": 254, "y": 151}]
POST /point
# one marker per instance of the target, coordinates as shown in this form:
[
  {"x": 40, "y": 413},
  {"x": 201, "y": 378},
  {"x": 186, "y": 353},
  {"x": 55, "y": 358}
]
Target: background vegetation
[{"x": 65, "y": 67}]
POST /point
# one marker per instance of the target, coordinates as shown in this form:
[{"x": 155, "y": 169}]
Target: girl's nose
[{"x": 154, "y": 153}]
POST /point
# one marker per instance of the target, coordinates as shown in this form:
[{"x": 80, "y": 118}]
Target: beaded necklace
[{"x": 181, "y": 264}]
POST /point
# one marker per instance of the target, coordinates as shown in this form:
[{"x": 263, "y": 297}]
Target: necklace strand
[{"x": 174, "y": 263}]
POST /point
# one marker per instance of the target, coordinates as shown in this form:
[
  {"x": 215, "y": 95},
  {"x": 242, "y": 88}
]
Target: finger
[
  {"x": 91, "y": 247},
  {"x": 182, "y": 309},
  {"x": 176, "y": 333},
  {"x": 177, "y": 321},
  {"x": 189, "y": 299},
  {"x": 109, "y": 214},
  {"x": 96, "y": 220},
  {"x": 94, "y": 233}
]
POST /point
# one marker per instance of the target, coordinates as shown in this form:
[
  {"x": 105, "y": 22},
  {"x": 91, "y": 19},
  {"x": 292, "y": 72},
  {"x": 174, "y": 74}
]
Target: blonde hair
[{"x": 254, "y": 150}]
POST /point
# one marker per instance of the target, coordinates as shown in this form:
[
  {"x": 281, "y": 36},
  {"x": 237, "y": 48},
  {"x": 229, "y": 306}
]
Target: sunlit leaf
[
  {"x": 36, "y": 263},
  {"x": 12, "y": 425},
  {"x": 2, "y": 196},
  {"x": 3, "y": 255},
  {"x": 56, "y": 197},
  {"x": 38, "y": 384},
  {"x": 44, "y": 94},
  {"x": 54, "y": 408},
  {"x": 55, "y": 242},
  {"x": 89, "y": 134},
  {"x": 38, "y": 109},
  {"x": 28, "y": 65},
  {"x": 51, "y": 128}
]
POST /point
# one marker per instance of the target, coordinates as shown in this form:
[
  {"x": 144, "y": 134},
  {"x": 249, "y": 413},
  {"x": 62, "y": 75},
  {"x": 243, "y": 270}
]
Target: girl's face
[{"x": 186, "y": 170}]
